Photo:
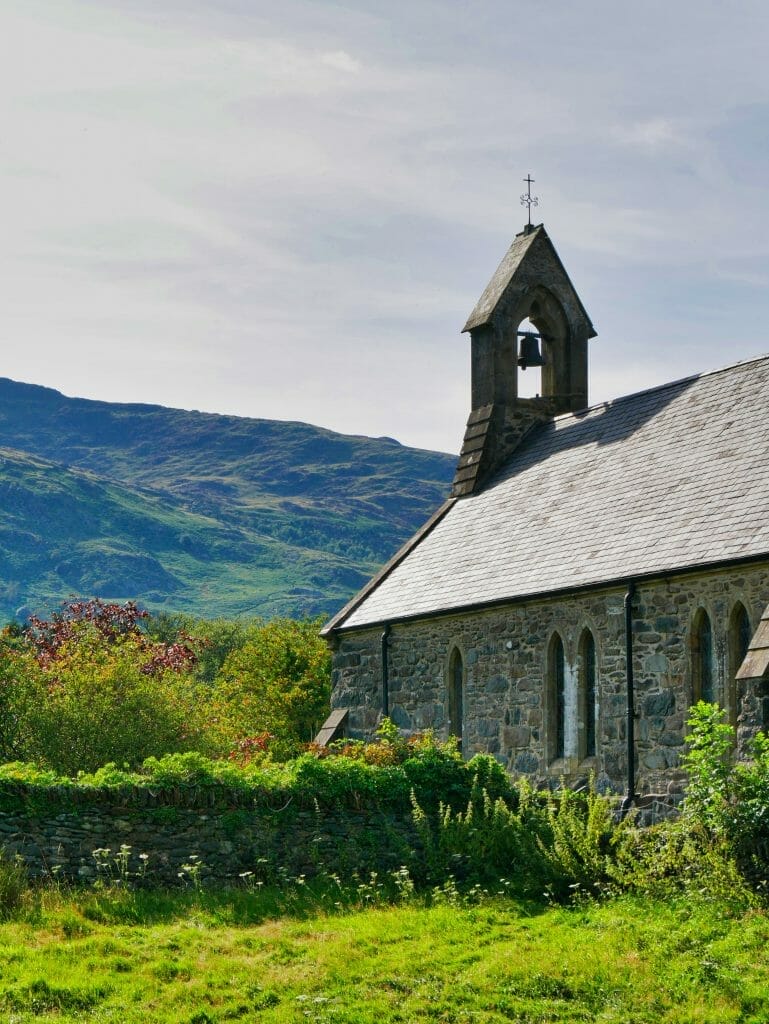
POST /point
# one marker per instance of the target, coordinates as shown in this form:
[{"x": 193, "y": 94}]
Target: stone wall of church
[{"x": 505, "y": 654}]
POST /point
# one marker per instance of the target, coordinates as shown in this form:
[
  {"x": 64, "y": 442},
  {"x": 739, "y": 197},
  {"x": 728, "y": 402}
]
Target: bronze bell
[{"x": 528, "y": 352}]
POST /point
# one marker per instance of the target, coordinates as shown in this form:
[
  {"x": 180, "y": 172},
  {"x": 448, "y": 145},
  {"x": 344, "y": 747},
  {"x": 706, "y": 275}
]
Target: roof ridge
[{"x": 659, "y": 387}]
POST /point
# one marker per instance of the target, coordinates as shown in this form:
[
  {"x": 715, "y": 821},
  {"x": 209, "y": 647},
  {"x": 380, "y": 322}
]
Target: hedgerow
[{"x": 433, "y": 772}]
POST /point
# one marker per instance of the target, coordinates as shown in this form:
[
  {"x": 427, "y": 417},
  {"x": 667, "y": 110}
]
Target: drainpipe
[
  {"x": 385, "y": 673},
  {"x": 630, "y": 797}
]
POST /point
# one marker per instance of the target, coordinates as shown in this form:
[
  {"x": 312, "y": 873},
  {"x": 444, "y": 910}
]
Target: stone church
[{"x": 596, "y": 569}]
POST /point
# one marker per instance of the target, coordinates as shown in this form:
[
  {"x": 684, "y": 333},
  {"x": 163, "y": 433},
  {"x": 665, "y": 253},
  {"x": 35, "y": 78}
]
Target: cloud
[
  {"x": 273, "y": 206},
  {"x": 341, "y": 61},
  {"x": 652, "y": 134}
]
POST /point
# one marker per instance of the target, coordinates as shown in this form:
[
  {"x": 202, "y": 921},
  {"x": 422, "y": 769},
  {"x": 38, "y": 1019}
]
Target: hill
[{"x": 196, "y": 512}]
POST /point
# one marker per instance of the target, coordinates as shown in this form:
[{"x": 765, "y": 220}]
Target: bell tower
[{"x": 530, "y": 283}]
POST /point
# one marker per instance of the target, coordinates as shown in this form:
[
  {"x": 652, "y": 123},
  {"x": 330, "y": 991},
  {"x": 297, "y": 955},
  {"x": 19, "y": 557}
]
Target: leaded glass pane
[
  {"x": 456, "y": 682},
  {"x": 559, "y": 679},
  {"x": 588, "y": 661},
  {"x": 705, "y": 656}
]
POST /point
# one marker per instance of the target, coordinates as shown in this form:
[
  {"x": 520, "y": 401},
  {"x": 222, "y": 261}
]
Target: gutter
[
  {"x": 385, "y": 672},
  {"x": 336, "y": 626},
  {"x": 630, "y": 796}
]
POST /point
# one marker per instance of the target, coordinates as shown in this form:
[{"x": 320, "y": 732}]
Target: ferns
[{"x": 541, "y": 844}]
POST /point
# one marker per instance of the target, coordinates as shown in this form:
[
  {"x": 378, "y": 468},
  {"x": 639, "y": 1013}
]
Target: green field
[{"x": 203, "y": 957}]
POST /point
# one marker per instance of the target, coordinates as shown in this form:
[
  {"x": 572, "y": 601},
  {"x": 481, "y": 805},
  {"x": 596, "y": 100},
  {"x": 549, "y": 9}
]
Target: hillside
[{"x": 196, "y": 512}]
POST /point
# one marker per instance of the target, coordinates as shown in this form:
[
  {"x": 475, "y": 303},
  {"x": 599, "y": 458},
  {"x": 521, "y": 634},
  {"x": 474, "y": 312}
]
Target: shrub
[
  {"x": 14, "y": 883},
  {"x": 745, "y": 815},
  {"x": 98, "y": 683},
  {"x": 709, "y": 767},
  {"x": 719, "y": 847},
  {"x": 213, "y": 639},
  {"x": 278, "y": 682},
  {"x": 102, "y": 707},
  {"x": 94, "y": 703},
  {"x": 583, "y": 841},
  {"x": 554, "y": 844}
]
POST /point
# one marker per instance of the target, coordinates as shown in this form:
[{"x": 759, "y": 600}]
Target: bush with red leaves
[{"x": 112, "y": 623}]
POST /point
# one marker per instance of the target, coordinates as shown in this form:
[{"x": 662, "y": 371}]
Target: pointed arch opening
[
  {"x": 456, "y": 687},
  {"x": 529, "y": 377},
  {"x": 544, "y": 315},
  {"x": 703, "y": 661},
  {"x": 556, "y": 699},
  {"x": 587, "y": 696},
  {"x": 740, "y": 634}
]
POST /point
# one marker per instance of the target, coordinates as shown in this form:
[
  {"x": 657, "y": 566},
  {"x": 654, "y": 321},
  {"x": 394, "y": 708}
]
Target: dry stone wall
[
  {"x": 61, "y": 838},
  {"x": 505, "y": 657}
]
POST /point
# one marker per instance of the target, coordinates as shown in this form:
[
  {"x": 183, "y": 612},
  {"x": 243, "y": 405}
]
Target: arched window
[
  {"x": 703, "y": 662},
  {"x": 740, "y": 635},
  {"x": 456, "y": 684},
  {"x": 556, "y": 699},
  {"x": 587, "y": 695}
]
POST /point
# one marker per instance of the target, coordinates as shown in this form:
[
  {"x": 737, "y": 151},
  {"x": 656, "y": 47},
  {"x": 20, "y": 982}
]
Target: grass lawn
[{"x": 143, "y": 957}]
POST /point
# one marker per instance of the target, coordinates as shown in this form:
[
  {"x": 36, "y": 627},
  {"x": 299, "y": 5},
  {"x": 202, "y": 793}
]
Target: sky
[{"x": 288, "y": 210}]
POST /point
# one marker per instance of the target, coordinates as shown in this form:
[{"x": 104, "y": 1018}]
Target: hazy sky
[{"x": 287, "y": 210}]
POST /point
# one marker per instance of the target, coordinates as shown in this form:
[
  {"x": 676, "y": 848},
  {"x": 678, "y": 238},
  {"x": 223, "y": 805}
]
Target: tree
[{"x": 278, "y": 682}]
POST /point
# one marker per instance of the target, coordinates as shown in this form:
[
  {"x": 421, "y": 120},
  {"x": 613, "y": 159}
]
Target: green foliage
[
  {"x": 555, "y": 844},
  {"x": 278, "y": 682},
  {"x": 14, "y": 885},
  {"x": 76, "y": 695},
  {"x": 708, "y": 765},
  {"x": 95, "y": 703},
  {"x": 726, "y": 806},
  {"x": 94, "y": 700},
  {"x": 20, "y": 694},
  {"x": 728, "y": 799},
  {"x": 217, "y": 638},
  {"x": 349, "y": 780},
  {"x": 718, "y": 850},
  {"x": 583, "y": 841},
  {"x": 681, "y": 857},
  {"x": 308, "y": 780},
  {"x": 479, "y": 843},
  {"x": 194, "y": 770}
]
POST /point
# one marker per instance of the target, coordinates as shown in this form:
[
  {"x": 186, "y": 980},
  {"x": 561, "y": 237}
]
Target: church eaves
[{"x": 655, "y": 483}]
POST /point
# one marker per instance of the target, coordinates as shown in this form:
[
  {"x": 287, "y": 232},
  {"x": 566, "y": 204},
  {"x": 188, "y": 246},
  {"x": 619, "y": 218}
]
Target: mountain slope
[{"x": 187, "y": 511}]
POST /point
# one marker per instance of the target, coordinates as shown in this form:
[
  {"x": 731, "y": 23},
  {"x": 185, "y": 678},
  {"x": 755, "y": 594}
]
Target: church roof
[{"x": 668, "y": 479}]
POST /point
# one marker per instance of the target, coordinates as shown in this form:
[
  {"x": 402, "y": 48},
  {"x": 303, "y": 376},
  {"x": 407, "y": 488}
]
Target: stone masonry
[
  {"x": 56, "y": 838},
  {"x": 557, "y": 506},
  {"x": 505, "y": 655}
]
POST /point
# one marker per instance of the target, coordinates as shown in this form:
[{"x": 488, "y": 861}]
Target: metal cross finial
[{"x": 527, "y": 199}]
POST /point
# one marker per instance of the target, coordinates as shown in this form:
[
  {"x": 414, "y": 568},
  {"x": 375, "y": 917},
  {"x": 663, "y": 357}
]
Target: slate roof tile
[{"x": 657, "y": 481}]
